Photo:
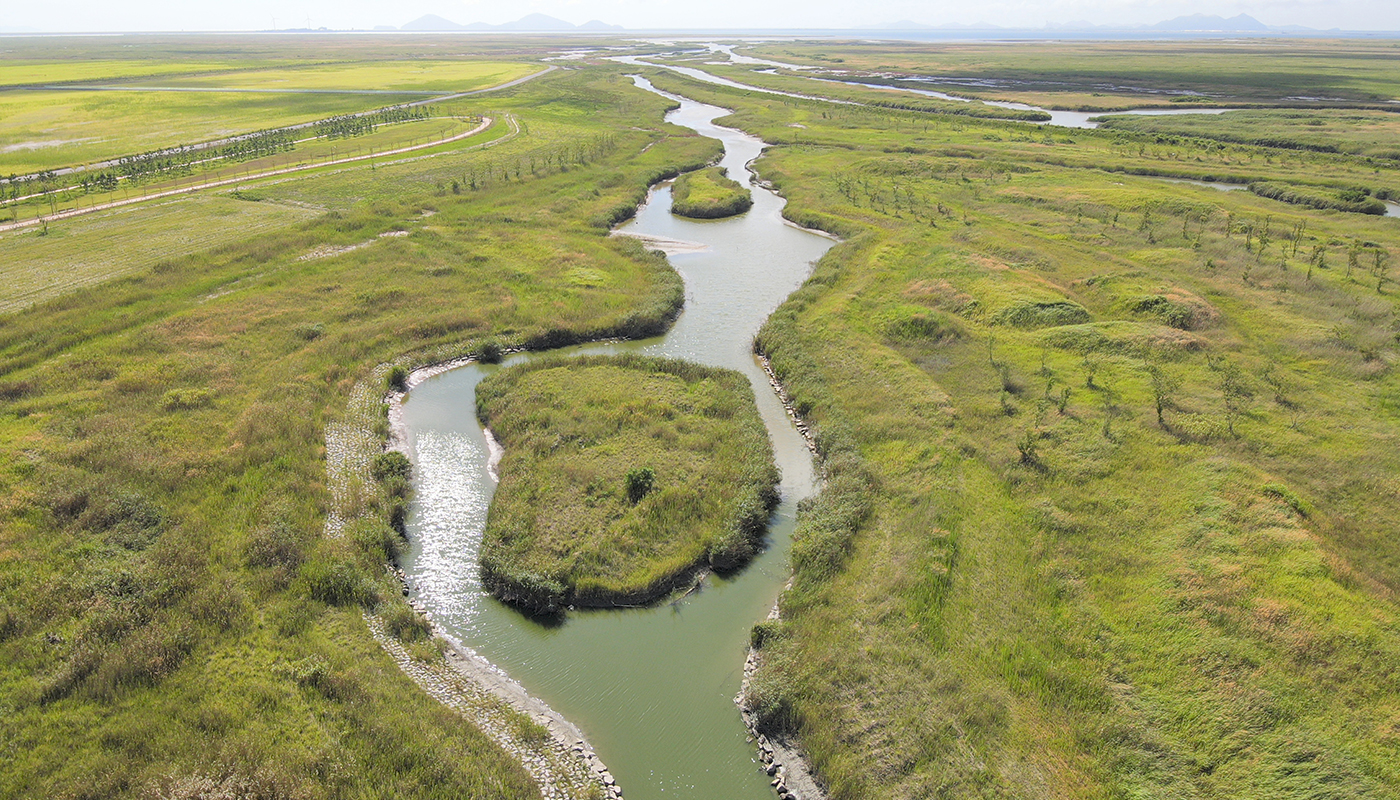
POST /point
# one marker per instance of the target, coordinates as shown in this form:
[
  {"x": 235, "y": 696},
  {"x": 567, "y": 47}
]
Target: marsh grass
[
  {"x": 621, "y": 476},
  {"x": 174, "y": 614},
  {"x": 708, "y": 194},
  {"x": 1039, "y": 589}
]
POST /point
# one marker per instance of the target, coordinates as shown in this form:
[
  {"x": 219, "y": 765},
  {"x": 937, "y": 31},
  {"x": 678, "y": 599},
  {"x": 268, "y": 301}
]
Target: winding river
[{"x": 652, "y": 689}]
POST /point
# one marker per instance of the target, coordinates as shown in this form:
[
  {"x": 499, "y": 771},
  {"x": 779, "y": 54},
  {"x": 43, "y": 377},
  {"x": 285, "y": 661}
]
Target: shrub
[
  {"x": 405, "y": 624},
  {"x": 314, "y": 672},
  {"x": 1177, "y": 315},
  {"x": 924, "y": 327},
  {"x": 308, "y": 331},
  {"x": 489, "y": 352},
  {"x": 764, "y": 632},
  {"x": 336, "y": 583},
  {"x": 182, "y": 399},
  {"x": 1043, "y": 314},
  {"x": 640, "y": 482},
  {"x": 379, "y": 542},
  {"x": 1356, "y": 201},
  {"x": 390, "y": 464},
  {"x": 9, "y": 624},
  {"x": 275, "y": 546},
  {"x": 397, "y": 378}
]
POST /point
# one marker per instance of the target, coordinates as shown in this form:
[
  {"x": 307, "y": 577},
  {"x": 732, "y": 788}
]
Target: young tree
[
  {"x": 1236, "y": 392},
  {"x": 1164, "y": 388}
]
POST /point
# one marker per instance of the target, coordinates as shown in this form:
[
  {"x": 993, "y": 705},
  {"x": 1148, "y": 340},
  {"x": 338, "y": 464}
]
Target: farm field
[
  {"x": 1109, "y": 458},
  {"x": 23, "y": 72},
  {"x": 44, "y": 130},
  {"x": 444, "y": 77}
]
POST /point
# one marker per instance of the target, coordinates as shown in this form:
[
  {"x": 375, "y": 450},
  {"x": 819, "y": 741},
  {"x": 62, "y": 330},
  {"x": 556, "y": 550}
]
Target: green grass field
[
  {"x": 172, "y": 612},
  {"x": 665, "y": 467},
  {"x": 1041, "y": 589},
  {"x": 708, "y": 194},
  {"x": 440, "y": 76},
  {"x": 48, "y": 130},
  {"x": 1109, "y": 460},
  {"x": 1363, "y": 133},
  {"x": 387, "y": 143},
  {"x": 20, "y": 72},
  {"x": 129, "y": 240}
]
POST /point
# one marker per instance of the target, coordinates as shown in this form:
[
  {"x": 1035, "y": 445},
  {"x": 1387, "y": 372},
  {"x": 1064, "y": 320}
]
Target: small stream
[{"x": 652, "y": 689}]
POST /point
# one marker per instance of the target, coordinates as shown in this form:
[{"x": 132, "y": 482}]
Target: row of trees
[
  {"x": 182, "y": 160},
  {"x": 548, "y": 159},
  {"x": 350, "y": 125}
]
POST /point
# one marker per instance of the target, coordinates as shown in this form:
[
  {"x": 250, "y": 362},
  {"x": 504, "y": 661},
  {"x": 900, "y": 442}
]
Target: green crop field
[
  {"x": 53, "y": 129},
  {"x": 1108, "y": 458},
  {"x": 408, "y": 76},
  {"x": 19, "y": 72}
]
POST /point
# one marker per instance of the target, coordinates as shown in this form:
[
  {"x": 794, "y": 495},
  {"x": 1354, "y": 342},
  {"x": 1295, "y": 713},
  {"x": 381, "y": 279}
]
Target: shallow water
[
  {"x": 1391, "y": 209},
  {"x": 1059, "y": 119},
  {"x": 652, "y": 689}
]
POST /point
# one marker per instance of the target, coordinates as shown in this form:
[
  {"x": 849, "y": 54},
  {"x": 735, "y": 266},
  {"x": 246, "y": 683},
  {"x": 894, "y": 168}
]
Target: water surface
[{"x": 652, "y": 689}]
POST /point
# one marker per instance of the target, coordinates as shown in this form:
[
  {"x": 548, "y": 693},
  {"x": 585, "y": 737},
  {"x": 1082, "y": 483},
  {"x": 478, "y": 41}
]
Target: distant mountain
[
  {"x": 542, "y": 23},
  {"x": 1201, "y": 22},
  {"x": 432, "y": 22},
  {"x": 537, "y": 22},
  {"x": 904, "y": 25}
]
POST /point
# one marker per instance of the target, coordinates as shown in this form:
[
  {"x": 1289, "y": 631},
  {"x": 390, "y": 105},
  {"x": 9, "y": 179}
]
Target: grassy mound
[
  {"x": 621, "y": 476},
  {"x": 708, "y": 194}
]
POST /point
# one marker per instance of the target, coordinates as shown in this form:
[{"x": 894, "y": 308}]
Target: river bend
[{"x": 652, "y": 689}]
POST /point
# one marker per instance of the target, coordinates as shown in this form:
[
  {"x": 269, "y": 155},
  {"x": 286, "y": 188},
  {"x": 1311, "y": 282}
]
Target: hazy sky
[{"x": 120, "y": 15}]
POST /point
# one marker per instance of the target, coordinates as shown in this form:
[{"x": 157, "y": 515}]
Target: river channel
[{"x": 652, "y": 689}]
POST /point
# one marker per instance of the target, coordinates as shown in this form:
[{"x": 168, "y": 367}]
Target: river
[{"x": 652, "y": 689}]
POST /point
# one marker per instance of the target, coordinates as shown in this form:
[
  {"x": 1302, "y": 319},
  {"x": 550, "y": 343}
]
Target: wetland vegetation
[
  {"x": 1109, "y": 461},
  {"x": 621, "y": 476},
  {"x": 1065, "y": 416},
  {"x": 175, "y": 613},
  {"x": 708, "y": 194}
]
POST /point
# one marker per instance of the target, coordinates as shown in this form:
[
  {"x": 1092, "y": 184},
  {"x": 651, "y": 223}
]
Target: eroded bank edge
[{"x": 561, "y": 762}]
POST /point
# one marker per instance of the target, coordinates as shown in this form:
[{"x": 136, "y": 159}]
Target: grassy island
[
  {"x": 708, "y": 194},
  {"x": 621, "y": 477}
]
